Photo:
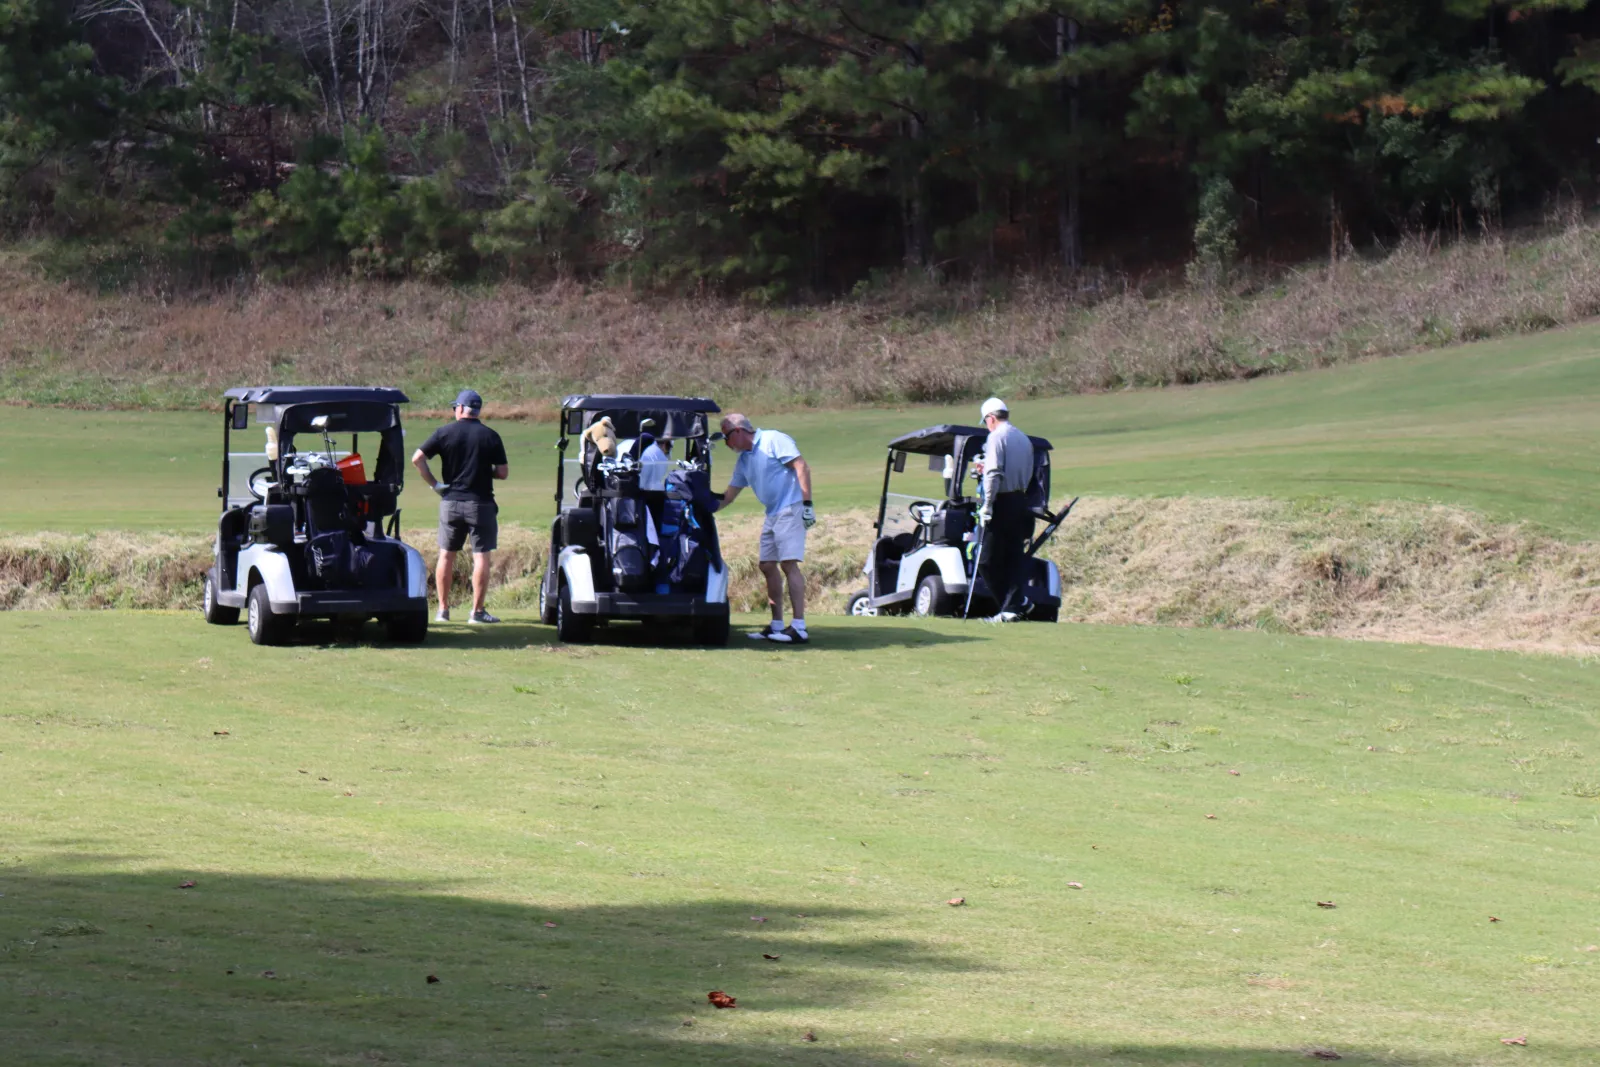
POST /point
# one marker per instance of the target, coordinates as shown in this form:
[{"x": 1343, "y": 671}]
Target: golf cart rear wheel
[
  {"x": 547, "y": 603},
  {"x": 931, "y": 599},
  {"x": 265, "y": 627},
  {"x": 571, "y": 627},
  {"x": 711, "y": 631},
  {"x": 860, "y": 604},
  {"x": 215, "y": 613},
  {"x": 406, "y": 627}
]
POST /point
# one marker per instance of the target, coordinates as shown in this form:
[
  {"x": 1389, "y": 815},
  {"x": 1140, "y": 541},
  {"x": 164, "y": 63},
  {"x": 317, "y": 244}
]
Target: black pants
[{"x": 1004, "y": 563}]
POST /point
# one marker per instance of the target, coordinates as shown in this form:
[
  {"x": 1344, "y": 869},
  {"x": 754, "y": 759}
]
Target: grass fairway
[
  {"x": 581, "y": 843},
  {"x": 1510, "y": 428}
]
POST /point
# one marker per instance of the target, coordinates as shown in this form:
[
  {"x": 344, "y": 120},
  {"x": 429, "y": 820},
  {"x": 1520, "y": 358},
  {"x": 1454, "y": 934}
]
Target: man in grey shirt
[{"x": 1007, "y": 522}]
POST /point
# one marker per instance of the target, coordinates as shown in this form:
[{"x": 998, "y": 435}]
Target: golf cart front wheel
[
  {"x": 265, "y": 627},
  {"x": 406, "y": 627},
  {"x": 931, "y": 599},
  {"x": 861, "y": 604},
  {"x": 215, "y": 613}
]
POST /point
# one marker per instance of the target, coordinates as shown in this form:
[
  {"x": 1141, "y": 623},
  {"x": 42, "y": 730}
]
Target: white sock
[
  {"x": 777, "y": 624},
  {"x": 800, "y": 626}
]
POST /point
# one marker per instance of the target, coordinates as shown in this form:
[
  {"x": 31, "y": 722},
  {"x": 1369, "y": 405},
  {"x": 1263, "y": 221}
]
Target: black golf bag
[{"x": 628, "y": 542}]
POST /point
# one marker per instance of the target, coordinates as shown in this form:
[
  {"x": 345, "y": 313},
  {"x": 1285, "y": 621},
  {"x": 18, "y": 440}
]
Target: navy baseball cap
[{"x": 469, "y": 398}]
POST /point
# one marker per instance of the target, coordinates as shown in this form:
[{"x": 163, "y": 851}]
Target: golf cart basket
[
  {"x": 633, "y": 538},
  {"x": 309, "y": 523},
  {"x": 923, "y": 559}
]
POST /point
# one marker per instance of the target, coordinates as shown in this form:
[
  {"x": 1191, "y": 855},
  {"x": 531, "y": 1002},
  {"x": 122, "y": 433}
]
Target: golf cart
[
  {"x": 924, "y": 559},
  {"x": 306, "y": 534},
  {"x": 620, "y": 551}
]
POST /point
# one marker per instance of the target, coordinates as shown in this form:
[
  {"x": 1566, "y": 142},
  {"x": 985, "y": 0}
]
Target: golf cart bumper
[
  {"x": 640, "y": 605},
  {"x": 351, "y": 602}
]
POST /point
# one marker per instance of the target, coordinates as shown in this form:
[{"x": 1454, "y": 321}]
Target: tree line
[{"x": 783, "y": 146}]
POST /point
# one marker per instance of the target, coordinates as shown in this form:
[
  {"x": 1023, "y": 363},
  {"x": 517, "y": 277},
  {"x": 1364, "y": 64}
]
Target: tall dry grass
[
  {"x": 1397, "y": 572},
  {"x": 527, "y": 346}
]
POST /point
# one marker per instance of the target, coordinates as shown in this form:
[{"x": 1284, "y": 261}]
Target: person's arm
[
  {"x": 802, "y": 471},
  {"x": 993, "y": 460},
  {"x": 500, "y": 470},
  {"x": 419, "y": 460},
  {"x": 729, "y": 495}
]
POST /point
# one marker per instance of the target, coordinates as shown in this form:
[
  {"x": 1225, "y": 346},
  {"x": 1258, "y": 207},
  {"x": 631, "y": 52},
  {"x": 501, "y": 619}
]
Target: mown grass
[
  {"x": 1509, "y": 428},
  {"x": 356, "y": 818}
]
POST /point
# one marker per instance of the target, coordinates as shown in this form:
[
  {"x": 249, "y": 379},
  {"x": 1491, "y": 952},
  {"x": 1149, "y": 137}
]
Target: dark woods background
[{"x": 783, "y": 147}]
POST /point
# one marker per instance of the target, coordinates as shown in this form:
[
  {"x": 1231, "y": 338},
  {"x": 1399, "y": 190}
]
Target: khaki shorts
[
  {"x": 783, "y": 536},
  {"x": 457, "y": 518}
]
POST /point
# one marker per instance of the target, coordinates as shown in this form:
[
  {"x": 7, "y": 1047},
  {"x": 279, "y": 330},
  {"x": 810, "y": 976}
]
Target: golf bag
[
  {"x": 631, "y": 543},
  {"x": 698, "y": 533}
]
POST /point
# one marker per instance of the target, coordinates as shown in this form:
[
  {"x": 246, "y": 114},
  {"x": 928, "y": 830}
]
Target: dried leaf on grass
[
  {"x": 1523, "y": 1040},
  {"x": 719, "y": 999}
]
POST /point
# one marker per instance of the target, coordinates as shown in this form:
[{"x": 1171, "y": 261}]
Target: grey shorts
[
  {"x": 783, "y": 536},
  {"x": 457, "y": 518}
]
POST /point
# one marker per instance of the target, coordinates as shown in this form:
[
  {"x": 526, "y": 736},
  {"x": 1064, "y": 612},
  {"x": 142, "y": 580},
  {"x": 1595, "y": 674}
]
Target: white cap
[{"x": 993, "y": 406}]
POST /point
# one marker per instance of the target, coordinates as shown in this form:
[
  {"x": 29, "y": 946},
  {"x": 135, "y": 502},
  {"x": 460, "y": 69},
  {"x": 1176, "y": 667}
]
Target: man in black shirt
[{"x": 473, "y": 457}]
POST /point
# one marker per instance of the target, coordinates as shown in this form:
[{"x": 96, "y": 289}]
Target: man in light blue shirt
[{"x": 771, "y": 465}]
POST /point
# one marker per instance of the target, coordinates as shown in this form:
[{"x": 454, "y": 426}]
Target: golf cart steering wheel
[
  {"x": 260, "y": 481},
  {"x": 922, "y": 511}
]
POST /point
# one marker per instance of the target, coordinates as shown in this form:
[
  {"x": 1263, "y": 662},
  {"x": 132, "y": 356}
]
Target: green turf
[
  {"x": 358, "y": 817},
  {"x": 1508, "y": 427}
]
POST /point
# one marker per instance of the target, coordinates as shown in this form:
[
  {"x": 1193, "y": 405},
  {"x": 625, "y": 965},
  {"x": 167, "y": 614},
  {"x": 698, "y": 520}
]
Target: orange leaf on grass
[
  {"x": 1523, "y": 1040},
  {"x": 956, "y": 902},
  {"x": 719, "y": 999},
  {"x": 185, "y": 885}
]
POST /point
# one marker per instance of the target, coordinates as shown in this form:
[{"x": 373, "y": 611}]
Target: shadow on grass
[
  {"x": 131, "y": 969},
  {"x": 841, "y": 634}
]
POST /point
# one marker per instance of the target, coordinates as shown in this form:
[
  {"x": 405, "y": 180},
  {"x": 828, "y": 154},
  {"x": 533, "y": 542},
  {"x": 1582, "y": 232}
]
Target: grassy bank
[
  {"x": 1390, "y": 572},
  {"x": 580, "y": 844},
  {"x": 1509, "y": 429},
  {"x": 903, "y": 344}
]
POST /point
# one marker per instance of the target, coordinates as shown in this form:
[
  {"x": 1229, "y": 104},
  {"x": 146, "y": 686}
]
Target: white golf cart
[
  {"x": 632, "y": 544},
  {"x": 302, "y": 533},
  {"x": 924, "y": 560}
]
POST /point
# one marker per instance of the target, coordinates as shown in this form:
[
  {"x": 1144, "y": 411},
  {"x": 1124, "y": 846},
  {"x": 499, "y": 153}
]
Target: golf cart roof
[
  {"x": 608, "y": 402},
  {"x": 316, "y": 394},
  {"x": 940, "y": 440}
]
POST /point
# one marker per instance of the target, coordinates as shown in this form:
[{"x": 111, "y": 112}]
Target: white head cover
[{"x": 993, "y": 406}]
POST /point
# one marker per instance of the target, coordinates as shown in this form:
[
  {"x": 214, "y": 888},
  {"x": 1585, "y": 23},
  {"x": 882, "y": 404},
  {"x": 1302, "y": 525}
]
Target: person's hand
[
  {"x": 716, "y": 502},
  {"x": 439, "y": 487},
  {"x": 808, "y": 514},
  {"x": 985, "y": 515}
]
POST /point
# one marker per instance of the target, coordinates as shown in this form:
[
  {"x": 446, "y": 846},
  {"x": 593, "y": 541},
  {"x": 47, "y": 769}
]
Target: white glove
[
  {"x": 440, "y": 487},
  {"x": 984, "y": 516},
  {"x": 808, "y": 515}
]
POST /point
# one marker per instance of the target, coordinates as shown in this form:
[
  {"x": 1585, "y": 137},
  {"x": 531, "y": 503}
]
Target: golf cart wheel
[
  {"x": 265, "y": 627},
  {"x": 711, "y": 631},
  {"x": 547, "y": 604},
  {"x": 931, "y": 599},
  {"x": 215, "y": 613},
  {"x": 407, "y": 627},
  {"x": 571, "y": 627},
  {"x": 860, "y": 604}
]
